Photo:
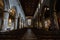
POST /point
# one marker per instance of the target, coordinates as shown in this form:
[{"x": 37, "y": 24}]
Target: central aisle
[{"x": 29, "y": 35}]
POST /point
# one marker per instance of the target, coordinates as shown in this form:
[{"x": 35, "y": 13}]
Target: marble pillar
[{"x": 5, "y": 21}]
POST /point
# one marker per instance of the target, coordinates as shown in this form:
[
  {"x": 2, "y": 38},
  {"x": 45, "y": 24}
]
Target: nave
[{"x": 29, "y": 20}]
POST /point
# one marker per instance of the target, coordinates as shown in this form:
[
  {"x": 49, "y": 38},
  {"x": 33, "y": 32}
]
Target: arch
[{"x": 13, "y": 16}]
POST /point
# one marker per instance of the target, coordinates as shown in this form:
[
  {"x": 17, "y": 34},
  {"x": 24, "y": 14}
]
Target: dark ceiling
[
  {"x": 29, "y": 6},
  {"x": 58, "y": 8},
  {"x": 58, "y": 5}
]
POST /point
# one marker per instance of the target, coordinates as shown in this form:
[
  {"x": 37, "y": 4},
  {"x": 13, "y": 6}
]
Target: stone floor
[{"x": 29, "y": 35}]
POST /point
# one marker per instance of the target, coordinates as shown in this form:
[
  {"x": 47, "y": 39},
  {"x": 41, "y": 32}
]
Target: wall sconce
[{"x": 29, "y": 21}]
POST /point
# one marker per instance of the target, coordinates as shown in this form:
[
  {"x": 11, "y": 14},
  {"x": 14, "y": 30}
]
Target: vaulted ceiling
[{"x": 29, "y": 6}]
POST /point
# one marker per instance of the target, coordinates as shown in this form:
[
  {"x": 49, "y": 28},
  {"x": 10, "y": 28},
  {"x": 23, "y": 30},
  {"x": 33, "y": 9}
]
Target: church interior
[{"x": 29, "y": 19}]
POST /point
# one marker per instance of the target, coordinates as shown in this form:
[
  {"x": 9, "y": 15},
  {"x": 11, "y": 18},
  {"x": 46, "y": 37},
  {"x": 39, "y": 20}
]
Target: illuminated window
[
  {"x": 47, "y": 23},
  {"x": 29, "y": 21}
]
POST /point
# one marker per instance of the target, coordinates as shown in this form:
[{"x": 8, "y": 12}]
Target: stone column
[
  {"x": 52, "y": 15},
  {"x": 56, "y": 21},
  {"x": 19, "y": 21},
  {"x": 55, "y": 16},
  {"x": 43, "y": 21},
  {"x": 39, "y": 13},
  {"x": 22, "y": 23},
  {"x": 42, "y": 17},
  {"x": 5, "y": 21},
  {"x": 16, "y": 21},
  {"x": 15, "y": 25}
]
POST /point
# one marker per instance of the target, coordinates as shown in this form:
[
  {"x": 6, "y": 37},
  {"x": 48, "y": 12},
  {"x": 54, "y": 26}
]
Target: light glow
[
  {"x": 29, "y": 21},
  {"x": 39, "y": 5},
  {"x": 10, "y": 21}
]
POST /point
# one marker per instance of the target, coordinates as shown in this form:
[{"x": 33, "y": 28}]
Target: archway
[{"x": 12, "y": 19}]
